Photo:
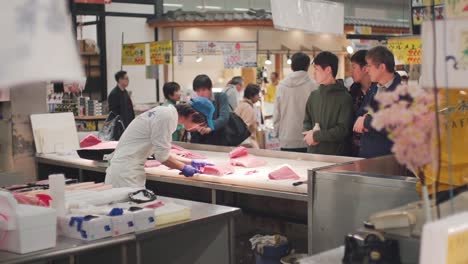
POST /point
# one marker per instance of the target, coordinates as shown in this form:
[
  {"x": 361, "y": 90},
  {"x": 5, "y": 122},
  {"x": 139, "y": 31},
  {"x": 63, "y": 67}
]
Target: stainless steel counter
[
  {"x": 210, "y": 227},
  {"x": 342, "y": 196}
]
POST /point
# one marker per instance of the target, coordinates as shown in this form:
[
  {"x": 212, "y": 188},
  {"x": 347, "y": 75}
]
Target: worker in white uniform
[{"x": 151, "y": 133}]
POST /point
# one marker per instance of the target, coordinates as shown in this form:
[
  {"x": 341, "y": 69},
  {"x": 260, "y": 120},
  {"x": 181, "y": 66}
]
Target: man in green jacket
[{"x": 331, "y": 107}]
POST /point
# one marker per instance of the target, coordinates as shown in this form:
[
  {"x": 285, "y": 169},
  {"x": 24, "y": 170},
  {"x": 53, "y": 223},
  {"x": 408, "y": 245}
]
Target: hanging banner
[
  {"x": 248, "y": 54},
  {"x": 406, "y": 50},
  {"x": 207, "y": 48},
  {"x": 161, "y": 52},
  {"x": 456, "y": 8},
  {"x": 238, "y": 55},
  {"x": 180, "y": 52},
  {"x": 450, "y": 62},
  {"x": 134, "y": 54}
]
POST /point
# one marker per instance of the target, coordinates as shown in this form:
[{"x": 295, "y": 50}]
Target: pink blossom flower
[{"x": 410, "y": 124}]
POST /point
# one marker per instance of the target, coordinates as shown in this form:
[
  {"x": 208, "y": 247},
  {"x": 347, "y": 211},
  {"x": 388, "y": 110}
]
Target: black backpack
[{"x": 233, "y": 134}]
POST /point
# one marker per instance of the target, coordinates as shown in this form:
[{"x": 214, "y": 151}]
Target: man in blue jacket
[{"x": 381, "y": 68}]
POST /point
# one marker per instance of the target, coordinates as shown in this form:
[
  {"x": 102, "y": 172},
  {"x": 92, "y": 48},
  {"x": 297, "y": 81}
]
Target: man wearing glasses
[{"x": 381, "y": 69}]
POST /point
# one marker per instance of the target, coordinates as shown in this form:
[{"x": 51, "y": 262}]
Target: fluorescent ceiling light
[
  {"x": 173, "y": 5},
  {"x": 241, "y": 9},
  {"x": 209, "y": 7}
]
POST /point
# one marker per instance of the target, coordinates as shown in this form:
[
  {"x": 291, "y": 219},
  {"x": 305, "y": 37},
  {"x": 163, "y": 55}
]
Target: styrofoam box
[
  {"x": 94, "y": 228},
  {"x": 143, "y": 219},
  {"x": 122, "y": 224},
  {"x": 35, "y": 230}
]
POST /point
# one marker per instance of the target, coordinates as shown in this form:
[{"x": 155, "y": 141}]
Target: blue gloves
[
  {"x": 189, "y": 171},
  {"x": 200, "y": 164}
]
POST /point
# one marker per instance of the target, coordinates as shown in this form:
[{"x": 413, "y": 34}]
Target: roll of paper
[{"x": 57, "y": 193}]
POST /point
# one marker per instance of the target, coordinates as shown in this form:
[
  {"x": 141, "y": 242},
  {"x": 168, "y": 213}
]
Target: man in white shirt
[{"x": 151, "y": 133}]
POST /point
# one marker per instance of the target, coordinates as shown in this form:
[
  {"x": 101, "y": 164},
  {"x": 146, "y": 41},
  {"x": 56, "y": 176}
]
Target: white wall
[
  {"x": 212, "y": 65},
  {"x": 135, "y": 30}
]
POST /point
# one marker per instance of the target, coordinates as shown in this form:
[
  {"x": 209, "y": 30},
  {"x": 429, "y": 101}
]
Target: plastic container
[{"x": 271, "y": 254}]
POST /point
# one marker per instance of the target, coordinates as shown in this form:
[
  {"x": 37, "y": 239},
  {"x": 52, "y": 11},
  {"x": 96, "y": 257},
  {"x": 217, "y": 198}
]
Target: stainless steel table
[{"x": 206, "y": 238}]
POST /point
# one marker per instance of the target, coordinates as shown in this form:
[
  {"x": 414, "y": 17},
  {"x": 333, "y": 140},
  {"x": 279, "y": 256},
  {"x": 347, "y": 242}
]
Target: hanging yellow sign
[
  {"x": 134, "y": 54},
  {"x": 161, "y": 52},
  {"x": 406, "y": 50}
]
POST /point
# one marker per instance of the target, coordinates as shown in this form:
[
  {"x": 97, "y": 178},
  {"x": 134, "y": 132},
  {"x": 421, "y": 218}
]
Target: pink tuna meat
[
  {"x": 152, "y": 163},
  {"x": 238, "y": 152},
  {"x": 218, "y": 170},
  {"x": 178, "y": 150},
  {"x": 283, "y": 173},
  {"x": 248, "y": 161}
]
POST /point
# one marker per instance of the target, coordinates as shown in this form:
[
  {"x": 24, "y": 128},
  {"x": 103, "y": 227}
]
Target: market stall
[{"x": 205, "y": 238}]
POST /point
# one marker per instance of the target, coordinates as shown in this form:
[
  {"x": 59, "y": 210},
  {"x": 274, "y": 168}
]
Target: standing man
[
  {"x": 119, "y": 100},
  {"x": 202, "y": 86},
  {"x": 172, "y": 94},
  {"x": 234, "y": 91},
  {"x": 150, "y": 133},
  {"x": 331, "y": 107},
  {"x": 290, "y": 102},
  {"x": 358, "y": 90},
  {"x": 381, "y": 68}
]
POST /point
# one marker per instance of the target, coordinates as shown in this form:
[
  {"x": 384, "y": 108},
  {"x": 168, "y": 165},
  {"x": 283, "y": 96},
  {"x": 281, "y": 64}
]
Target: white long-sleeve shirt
[{"x": 150, "y": 133}]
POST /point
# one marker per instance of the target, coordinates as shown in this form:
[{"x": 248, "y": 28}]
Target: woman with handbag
[{"x": 246, "y": 111}]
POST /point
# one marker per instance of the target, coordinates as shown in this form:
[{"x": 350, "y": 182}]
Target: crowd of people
[{"x": 316, "y": 115}]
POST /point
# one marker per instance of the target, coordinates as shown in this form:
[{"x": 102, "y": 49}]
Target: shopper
[
  {"x": 202, "y": 86},
  {"x": 171, "y": 91},
  {"x": 331, "y": 107},
  {"x": 271, "y": 88},
  {"x": 234, "y": 91},
  {"x": 119, "y": 100},
  {"x": 381, "y": 71},
  {"x": 358, "y": 90},
  {"x": 290, "y": 102},
  {"x": 246, "y": 111},
  {"x": 150, "y": 133}
]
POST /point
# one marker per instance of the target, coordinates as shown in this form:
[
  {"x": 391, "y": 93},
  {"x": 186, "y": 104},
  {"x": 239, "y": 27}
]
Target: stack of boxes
[{"x": 94, "y": 108}]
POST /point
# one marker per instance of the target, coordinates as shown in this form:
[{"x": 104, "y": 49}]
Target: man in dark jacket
[
  {"x": 331, "y": 107},
  {"x": 381, "y": 67},
  {"x": 119, "y": 100},
  {"x": 202, "y": 86},
  {"x": 358, "y": 91}
]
